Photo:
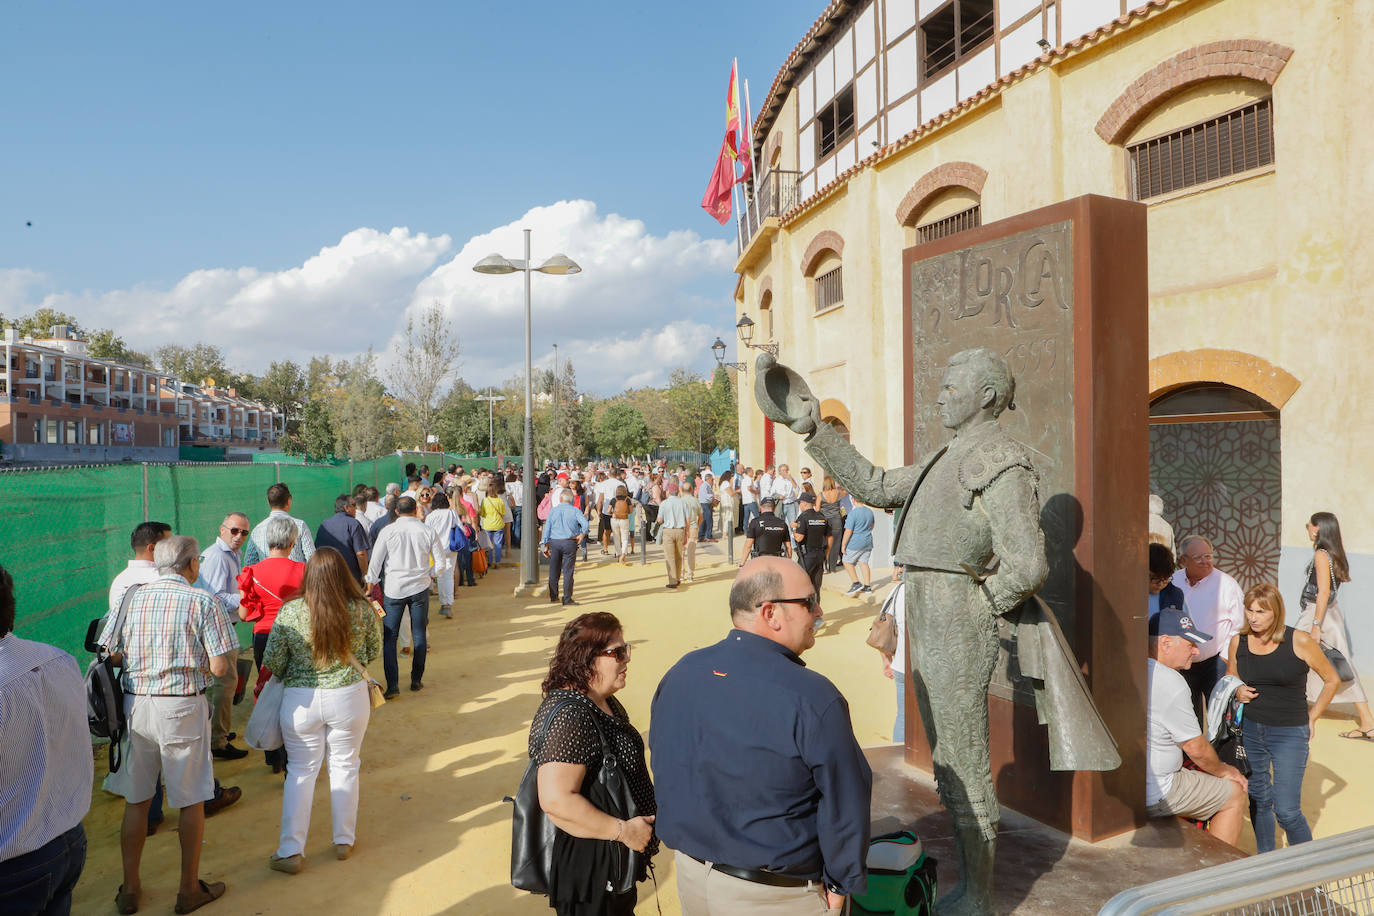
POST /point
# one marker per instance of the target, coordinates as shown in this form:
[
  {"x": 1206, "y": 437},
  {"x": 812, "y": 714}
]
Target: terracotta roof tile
[{"x": 1068, "y": 49}]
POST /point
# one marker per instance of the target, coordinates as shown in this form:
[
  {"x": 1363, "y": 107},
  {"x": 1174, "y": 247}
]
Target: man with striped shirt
[
  {"x": 174, "y": 638},
  {"x": 45, "y": 770}
]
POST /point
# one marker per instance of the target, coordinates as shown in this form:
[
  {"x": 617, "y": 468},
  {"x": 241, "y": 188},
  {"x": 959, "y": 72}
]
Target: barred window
[
  {"x": 829, "y": 289},
  {"x": 957, "y": 222},
  {"x": 1234, "y": 142},
  {"x": 835, "y": 122},
  {"x": 953, "y": 32}
]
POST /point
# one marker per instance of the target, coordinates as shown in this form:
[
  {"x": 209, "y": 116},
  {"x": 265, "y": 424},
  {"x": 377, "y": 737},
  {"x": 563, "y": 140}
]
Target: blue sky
[{"x": 171, "y": 155}]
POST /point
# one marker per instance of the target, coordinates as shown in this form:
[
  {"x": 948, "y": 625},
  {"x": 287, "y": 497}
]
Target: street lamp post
[
  {"x": 491, "y": 400},
  {"x": 558, "y": 264}
]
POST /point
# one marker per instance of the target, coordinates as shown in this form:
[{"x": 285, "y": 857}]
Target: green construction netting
[{"x": 66, "y": 530}]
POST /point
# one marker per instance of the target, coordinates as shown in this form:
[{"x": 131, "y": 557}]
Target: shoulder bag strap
[{"x": 118, "y": 642}]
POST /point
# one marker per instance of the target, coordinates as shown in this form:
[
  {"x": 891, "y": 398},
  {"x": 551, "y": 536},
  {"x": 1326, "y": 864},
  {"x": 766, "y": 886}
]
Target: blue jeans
[
  {"x": 515, "y": 526},
  {"x": 498, "y": 541},
  {"x": 790, "y": 511},
  {"x": 391, "y": 631},
  {"x": 749, "y": 513},
  {"x": 707, "y": 523},
  {"x": 1284, "y": 748},
  {"x": 40, "y": 883},
  {"x": 465, "y": 574}
]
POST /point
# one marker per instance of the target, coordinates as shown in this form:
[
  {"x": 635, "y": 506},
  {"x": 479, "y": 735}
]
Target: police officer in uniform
[
  {"x": 812, "y": 530},
  {"x": 767, "y": 535}
]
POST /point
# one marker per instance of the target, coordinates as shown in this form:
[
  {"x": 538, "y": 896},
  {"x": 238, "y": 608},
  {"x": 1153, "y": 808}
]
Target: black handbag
[
  {"x": 1344, "y": 671},
  {"x": 532, "y": 833}
]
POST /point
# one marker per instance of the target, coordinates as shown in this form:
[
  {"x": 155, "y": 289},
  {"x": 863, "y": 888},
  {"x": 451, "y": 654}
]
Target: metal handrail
[
  {"x": 1330, "y": 875},
  {"x": 773, "y": 194}
]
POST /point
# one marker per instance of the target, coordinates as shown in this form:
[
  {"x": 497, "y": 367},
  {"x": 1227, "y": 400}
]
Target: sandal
[
  {"x": 208, "y": 893},
  {"x": 124, "y": 902},
  {"x": 1356, "y": 734}
]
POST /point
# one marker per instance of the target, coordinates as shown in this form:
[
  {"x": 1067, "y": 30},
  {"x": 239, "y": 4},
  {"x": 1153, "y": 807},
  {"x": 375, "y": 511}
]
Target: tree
[
  {"x": 461, "y": 422},
  {"x": 419, "y": 367},
  {"x": 694, "y": 414},
  {"x": 568, "y": 431},
  {"x": 106, "y": 344},
  {"x": 621, "y": 431},
  {"x": 726, "y": 432},
  {"x": 283, "y": 388},
  {"x": 192, "y": 364},
  {"x": 364, "y": 414},
  {"x": 41, "y": 323}
]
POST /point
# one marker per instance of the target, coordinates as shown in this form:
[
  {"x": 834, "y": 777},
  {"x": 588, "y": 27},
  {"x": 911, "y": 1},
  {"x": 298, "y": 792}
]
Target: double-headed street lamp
[
  {"x": 558, "y": 264},
  {"x": 491, "y": 400}
]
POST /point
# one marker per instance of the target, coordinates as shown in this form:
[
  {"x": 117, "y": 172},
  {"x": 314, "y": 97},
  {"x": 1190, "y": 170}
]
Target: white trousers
[
  {"x": 445, "y": 573},
  {"x": 313, "y": 721},
  {"x": 620, "y": 527}
]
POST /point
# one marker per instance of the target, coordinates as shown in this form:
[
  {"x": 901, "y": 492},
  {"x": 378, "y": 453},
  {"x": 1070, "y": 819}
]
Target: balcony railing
[{"x": 774, "y": 194}]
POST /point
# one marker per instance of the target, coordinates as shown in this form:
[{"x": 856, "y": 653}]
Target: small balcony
[{"x": 774, "y": 194}]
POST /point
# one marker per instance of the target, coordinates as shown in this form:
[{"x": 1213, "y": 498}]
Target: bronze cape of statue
[{"x": 969, "y": 539}]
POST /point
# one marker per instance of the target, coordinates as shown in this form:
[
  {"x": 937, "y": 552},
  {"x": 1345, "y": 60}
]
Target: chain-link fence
[{"x": 66, "y": 530}]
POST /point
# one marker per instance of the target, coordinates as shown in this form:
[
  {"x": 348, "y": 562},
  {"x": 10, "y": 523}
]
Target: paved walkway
[{"x": 433, "y": 833}]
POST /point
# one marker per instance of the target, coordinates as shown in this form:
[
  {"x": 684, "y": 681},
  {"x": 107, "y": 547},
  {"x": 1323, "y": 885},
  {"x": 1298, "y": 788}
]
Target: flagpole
[
  {"x": 748, "y": 117},
  {"x": 739, "y": 207}
]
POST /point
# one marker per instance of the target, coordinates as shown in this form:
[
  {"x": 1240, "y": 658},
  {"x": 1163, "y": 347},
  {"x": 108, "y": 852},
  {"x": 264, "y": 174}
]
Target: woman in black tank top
[{"x": 1274, "y": 660}]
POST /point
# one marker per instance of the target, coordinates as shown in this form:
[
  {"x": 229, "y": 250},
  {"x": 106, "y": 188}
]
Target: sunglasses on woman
[{"x": 620, "y": 653}]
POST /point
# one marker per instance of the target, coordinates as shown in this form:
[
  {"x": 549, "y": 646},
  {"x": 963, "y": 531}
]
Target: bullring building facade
[{"x": 1243, "y": 129}]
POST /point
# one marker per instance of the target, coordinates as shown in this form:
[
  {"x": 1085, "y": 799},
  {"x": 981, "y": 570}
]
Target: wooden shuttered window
[
  {"x": 957, "y": 222},
  {"x": 1234, "y": 142},
  {"x": 830, "y": 289}
]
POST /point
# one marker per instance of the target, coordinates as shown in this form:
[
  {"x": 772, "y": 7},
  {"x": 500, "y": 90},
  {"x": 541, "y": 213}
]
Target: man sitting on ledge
[{"x": 1215, "y": 791}]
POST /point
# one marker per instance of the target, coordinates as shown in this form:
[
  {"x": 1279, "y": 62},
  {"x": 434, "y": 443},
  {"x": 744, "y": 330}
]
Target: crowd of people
[
  {"x": 323, "y": 605},
  {"x": 1221, "y": 653}
]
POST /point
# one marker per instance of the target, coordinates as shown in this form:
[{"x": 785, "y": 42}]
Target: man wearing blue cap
[{"x": 1215, "y": 791}]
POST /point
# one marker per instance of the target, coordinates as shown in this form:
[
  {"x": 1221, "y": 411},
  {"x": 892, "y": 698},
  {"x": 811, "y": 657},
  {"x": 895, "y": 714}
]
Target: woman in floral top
[{"x": 325, "y": 704}]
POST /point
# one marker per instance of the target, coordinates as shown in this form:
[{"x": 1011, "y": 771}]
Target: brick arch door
[{"x": 1215, "y": 459}]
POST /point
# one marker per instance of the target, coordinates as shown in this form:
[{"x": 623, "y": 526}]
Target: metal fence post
[
  {"x": 277, "y": 465},
  {"x": 350, "y": 476},
  {"x": 145, "y": 491}
]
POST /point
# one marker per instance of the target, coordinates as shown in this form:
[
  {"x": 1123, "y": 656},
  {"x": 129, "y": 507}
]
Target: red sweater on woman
[{"x": 266, "y": 586}]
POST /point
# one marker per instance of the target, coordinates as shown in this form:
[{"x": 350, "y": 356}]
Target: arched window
[
  {"x": 1215, "y": 460},
  {"x": 766, "y": 314},
  {"x": 952, "y": 210},
  {"x": 1209, "y": 132},
  {"x": 822, "y": 265}
]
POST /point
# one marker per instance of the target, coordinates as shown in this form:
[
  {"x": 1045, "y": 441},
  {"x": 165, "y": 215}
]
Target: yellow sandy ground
[{"x": 433, "y": 832}]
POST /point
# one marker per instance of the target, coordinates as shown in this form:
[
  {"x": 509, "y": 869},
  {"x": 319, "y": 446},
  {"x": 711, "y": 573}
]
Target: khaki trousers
[
  {"x": 220, "y": 695},
  {"x": 706, "y": 892},
  {"x": 672, "y": 540}
]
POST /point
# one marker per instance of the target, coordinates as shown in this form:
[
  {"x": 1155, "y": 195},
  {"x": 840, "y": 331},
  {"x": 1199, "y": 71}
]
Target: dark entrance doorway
[{"x": 1215, "y": 461}]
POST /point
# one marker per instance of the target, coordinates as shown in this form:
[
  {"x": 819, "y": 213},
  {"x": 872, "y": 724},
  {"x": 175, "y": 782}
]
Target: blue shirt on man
[
  {"x": 756, "y": 766},
  {"x": 564, "y": 521},
  {"x": 860, "y": 521},
  {"x": 345, "y": 534}
]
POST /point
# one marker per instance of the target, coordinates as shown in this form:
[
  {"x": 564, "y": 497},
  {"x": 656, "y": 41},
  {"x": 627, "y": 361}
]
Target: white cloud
[{"x": 642, "y": 305}]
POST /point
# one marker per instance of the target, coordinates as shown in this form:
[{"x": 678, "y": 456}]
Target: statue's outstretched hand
[{"x": 785, "y": 397}]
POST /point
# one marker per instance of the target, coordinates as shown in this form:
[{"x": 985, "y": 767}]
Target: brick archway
[
  {"x": 774, "y": 142},
  {"x": 1228, "y": 367},
  {"x": 940, "y": 178},
  {"x": 1248, "y": 58},
  {"x": 765, "y": 290},
  {"x": 826, "y": 240}
]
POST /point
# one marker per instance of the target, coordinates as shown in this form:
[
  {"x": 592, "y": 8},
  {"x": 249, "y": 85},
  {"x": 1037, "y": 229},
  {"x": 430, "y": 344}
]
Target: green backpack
[{"x": 901, "y": 878}]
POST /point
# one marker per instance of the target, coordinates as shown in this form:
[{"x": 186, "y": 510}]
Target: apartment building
[{"x": 58, "y": 404}]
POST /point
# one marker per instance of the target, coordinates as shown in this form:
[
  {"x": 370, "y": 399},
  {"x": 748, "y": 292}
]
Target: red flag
[
  {"x": 716, "y": 200},
  {"x": 736, "y": 130}
]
